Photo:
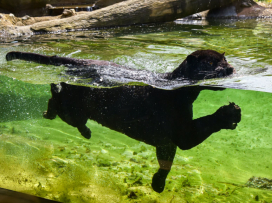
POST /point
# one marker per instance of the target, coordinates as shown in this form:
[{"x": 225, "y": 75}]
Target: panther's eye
[{"x": 211, "y": 63}]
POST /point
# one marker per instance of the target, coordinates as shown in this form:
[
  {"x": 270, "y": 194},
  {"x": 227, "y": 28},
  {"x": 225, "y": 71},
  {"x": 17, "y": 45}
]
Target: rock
[
  {"x": 26, "y": 20},
  {"x": 196, "y": 16},
  {"x": 26, "y": 17},
  {"x": 68, "y": 13},
  {"x": 49, "y": 6},
  {"x": 103, "y": 163},
  {"x": 229, "y": 11},
  {"x": 260, "y": 183},
  {"x": 20, "y": 23},
  {"x": 257, "y": 9},
  {"x": 17, "y": 6},
  {"x": 132, "y": 195},
  {"x": 246, "y": 4},
  {"x": 239, "y": 9}
]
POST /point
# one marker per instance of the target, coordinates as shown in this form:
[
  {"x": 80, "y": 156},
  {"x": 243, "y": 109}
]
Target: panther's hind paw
[
  {"x": 49, "y": 116},
  {"x": 158, "y": 180},
  {"x": 85, "y": 131}
]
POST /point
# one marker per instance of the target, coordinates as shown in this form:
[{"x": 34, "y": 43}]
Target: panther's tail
[{"x": 39, "y": 58}]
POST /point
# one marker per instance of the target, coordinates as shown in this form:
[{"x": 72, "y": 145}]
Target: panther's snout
[
  {"x": 230, "y": 70},
  {"x": 224, "y": 71},
  {"x": 203, "y": 64},
  {"x": 220, "y": 72}
]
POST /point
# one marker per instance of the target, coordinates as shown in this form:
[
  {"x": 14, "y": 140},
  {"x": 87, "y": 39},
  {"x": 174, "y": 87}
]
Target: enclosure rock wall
[
  {"x": 19, "y": 6},
  {"x": 16, "y": 6}
]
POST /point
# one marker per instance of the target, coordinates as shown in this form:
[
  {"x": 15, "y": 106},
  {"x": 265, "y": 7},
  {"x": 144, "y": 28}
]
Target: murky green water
[{"x": 50, "y": 159}]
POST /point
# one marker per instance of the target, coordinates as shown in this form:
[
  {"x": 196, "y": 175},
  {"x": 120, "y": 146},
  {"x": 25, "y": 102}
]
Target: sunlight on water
[{"x": 50, "y": 159}]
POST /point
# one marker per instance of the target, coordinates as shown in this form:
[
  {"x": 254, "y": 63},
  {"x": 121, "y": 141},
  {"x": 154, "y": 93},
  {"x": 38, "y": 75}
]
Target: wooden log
[{"x": 131, "y": 12}]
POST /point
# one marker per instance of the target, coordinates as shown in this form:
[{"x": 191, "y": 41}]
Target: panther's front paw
[{"x": 228, "y": 116}]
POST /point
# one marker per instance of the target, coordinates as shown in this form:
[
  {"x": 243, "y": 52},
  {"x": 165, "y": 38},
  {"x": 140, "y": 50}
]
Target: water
[
  {"x": 89, "y": 8},
  {"x": 50, "y": 159}
]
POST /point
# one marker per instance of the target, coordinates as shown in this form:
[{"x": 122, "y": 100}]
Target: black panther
[{"x": 161, "y": 118}]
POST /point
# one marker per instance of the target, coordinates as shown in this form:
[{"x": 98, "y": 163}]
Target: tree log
[{"x": 131, "y": 12}]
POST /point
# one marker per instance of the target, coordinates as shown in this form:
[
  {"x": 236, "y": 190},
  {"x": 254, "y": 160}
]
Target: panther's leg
[
  {"x": 165, "y": 156},
  {"x": 226, "y": 117},
  {"x": 51, "y": 112},
  {"x": 85, "y": 131}
]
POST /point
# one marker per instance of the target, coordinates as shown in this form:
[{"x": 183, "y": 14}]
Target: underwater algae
[{"x": 50, "y": 159}]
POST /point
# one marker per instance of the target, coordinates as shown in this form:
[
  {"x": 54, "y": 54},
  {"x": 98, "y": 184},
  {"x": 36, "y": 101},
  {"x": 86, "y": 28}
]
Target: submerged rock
[
  {"x": 103, "y": 162},
  {"x": 260, "y": 183},
  {"x": 132, "y": 195}
]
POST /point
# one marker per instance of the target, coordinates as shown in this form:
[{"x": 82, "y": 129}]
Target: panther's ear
[
  {"x": 223, "y": 54},
  {"x": 54, "y": 88},
  {"x": 191, "y": 59}
]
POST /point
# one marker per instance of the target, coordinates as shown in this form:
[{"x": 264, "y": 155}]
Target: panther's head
[{"x": 203, "y": 64}]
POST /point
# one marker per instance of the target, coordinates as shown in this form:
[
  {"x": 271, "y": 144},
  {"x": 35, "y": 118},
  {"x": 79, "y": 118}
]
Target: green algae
[{"x": 20, "y": 101}]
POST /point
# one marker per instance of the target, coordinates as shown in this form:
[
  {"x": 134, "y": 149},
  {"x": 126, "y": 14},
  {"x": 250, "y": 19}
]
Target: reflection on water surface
[
  {"x": 50, "y": 159},
  {"x": 159, "y": 48}
]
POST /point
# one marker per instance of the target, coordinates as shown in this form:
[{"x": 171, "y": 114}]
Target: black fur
[{"x": 161, "y": 118}]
